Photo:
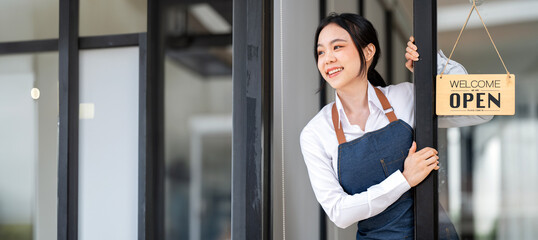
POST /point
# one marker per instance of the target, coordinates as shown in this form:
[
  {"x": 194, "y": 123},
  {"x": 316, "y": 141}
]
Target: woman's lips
[{"x": 333, "y": 72}]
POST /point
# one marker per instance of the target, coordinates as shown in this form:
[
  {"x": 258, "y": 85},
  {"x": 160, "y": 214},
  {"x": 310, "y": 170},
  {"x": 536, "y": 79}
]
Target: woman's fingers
[
  {"x": 412, "y": 45},
  {"x": 427, "y": 158},
  {"x": 428, "y": 149},
  {"x": 433, "y": 167},
  {"x": 413, "y": 54},
  {"x": 426, "y": 153},
  {"x": 409, "y": 65},
  {"x": 409, "y": 56},
  {"x": 431, "y": 160}
]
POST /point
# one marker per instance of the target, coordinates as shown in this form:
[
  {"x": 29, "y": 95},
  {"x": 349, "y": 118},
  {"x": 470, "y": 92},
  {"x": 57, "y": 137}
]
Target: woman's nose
[{"x": 329, "y": 57}]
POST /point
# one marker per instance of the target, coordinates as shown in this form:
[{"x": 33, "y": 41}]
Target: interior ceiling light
[{"x": 35, "y": 93}]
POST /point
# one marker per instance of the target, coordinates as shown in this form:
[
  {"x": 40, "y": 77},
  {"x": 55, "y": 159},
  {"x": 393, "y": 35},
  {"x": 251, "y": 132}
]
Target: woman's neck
[{"x": 354, "y": 97}]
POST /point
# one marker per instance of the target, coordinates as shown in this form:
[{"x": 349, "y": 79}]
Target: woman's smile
[{"x": 334, "y": 71}]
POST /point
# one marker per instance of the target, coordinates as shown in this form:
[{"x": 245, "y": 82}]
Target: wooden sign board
[{"x": 476, "y": 94}]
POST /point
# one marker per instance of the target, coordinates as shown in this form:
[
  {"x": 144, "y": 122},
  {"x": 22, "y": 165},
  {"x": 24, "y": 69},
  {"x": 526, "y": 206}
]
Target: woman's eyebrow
[{"x": 333, "y": 41}]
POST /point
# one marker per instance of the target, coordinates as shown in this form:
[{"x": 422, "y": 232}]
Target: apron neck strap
[
  {"x": 387, "y": 108},
  {"x": 337, "y": 128}
]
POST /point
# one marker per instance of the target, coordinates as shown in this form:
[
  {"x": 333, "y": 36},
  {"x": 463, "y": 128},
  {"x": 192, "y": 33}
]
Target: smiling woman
[{"x": 359, "y": 151}]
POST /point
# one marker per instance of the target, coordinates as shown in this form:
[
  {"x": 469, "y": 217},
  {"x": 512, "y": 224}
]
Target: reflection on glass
[
  {"x": 28, "y": 19},
  {"x": 104, "y": 17},
  {"x": 198, "y": 154},
  {"x": 488, "y": 188},
  {"x": 198, "y": 124},
  {"x": 28, "y": 146}
]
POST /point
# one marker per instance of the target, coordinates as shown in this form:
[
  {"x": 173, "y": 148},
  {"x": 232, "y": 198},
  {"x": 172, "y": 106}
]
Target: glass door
[{"x": 489, "y": 171}]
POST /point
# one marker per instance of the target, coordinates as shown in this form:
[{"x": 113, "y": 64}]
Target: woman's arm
[
  {"x": 341, "y": 208},
  {"x": 344, "y": 209},
  {"x": 453, "y": 67}
]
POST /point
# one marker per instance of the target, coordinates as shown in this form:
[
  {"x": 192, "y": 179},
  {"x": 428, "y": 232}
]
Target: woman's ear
[{"x": 369, "y": 52}]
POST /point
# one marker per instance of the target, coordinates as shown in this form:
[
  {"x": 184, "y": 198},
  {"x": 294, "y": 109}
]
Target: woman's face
[{"x": 338, "y": 59}]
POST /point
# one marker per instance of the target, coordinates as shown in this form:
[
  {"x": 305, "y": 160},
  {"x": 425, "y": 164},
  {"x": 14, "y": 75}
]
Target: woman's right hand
[
  {"x": 411, "y": 54},
  {"x": 419, "y": 164}
]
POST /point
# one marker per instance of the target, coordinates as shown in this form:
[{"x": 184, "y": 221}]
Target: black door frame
[
  {"x": 252, "y": 119},
  {"x": 426, "y": 193}
]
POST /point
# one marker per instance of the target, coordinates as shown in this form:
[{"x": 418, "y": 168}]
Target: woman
[{"x": 359, "y": 150}]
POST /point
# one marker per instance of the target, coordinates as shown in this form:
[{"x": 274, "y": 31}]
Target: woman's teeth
[{"x": 335, "y": 70}]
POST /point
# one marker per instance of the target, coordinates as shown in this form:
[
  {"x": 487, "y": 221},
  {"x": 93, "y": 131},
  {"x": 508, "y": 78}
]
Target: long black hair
[{"x": 363, "y": 33}]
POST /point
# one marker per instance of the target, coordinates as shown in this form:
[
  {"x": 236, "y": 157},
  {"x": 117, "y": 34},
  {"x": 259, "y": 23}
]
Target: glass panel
[
  {"x": 490, "y": 170},
  {"x": 103, "y": 17},
  {"x": 198, "y": 125},
  {"x": 28, "y": 19},
  {"x": 108, "y": 144},
  {"x": 28, "y": 146},
  {"x": 198, "y": 153}
]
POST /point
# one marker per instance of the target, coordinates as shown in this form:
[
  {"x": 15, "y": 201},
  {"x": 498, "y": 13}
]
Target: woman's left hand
[
  {"x": 411, "y": 54},
  {"x": 418, "y": 165}
]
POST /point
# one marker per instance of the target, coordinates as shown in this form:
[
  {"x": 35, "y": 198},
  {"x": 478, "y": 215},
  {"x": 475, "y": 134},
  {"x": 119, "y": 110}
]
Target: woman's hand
[
  {"x": 419, "y": 164},
  {"x": 411, "y": 54}
]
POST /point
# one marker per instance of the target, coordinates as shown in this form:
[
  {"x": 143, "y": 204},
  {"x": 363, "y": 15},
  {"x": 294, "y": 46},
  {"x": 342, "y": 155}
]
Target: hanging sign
[{"x": 475, "y": 94}]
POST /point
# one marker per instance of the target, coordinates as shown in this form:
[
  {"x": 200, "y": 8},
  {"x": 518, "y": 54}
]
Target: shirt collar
[{"x": 373, "y": 101}]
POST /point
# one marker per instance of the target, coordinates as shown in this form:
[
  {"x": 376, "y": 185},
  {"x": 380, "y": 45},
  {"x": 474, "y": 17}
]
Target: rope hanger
[{"x": 489, "y": 35}]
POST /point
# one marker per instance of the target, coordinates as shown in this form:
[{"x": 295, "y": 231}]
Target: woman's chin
[{"x": 334, "y": 84}]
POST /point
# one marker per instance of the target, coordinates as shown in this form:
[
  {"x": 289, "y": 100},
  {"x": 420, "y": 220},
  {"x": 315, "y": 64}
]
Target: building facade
[{"x": 180, "y": 119}]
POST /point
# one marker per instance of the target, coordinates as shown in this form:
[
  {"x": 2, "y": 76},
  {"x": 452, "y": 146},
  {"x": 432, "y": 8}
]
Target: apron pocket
[{"x": 391, "y": 165}]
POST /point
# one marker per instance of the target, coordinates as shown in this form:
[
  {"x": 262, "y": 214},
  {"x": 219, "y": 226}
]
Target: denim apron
[{"x": 370, "y": 159}]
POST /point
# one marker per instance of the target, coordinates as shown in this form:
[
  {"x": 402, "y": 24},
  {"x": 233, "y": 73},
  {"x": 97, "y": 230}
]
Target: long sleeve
[
  {"x": 344, "y": 209},
  {"x": 454, "y": 67}
]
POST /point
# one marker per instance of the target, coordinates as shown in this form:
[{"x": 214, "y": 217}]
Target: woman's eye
[
  {"x": 337, "y": 47},
  {"x": 320, "y": 52}
]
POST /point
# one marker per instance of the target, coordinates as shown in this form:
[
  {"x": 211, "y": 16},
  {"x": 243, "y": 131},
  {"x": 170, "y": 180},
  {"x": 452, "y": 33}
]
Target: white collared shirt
[{"x": 319, "y": 146}]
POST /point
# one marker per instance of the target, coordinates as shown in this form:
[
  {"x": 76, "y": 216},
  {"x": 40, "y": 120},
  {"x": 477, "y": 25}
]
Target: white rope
[{"x": 282, "y": 120}]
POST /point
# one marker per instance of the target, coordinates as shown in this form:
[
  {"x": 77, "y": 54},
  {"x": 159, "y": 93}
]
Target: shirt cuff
[{"x": 397, "y": 183}]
